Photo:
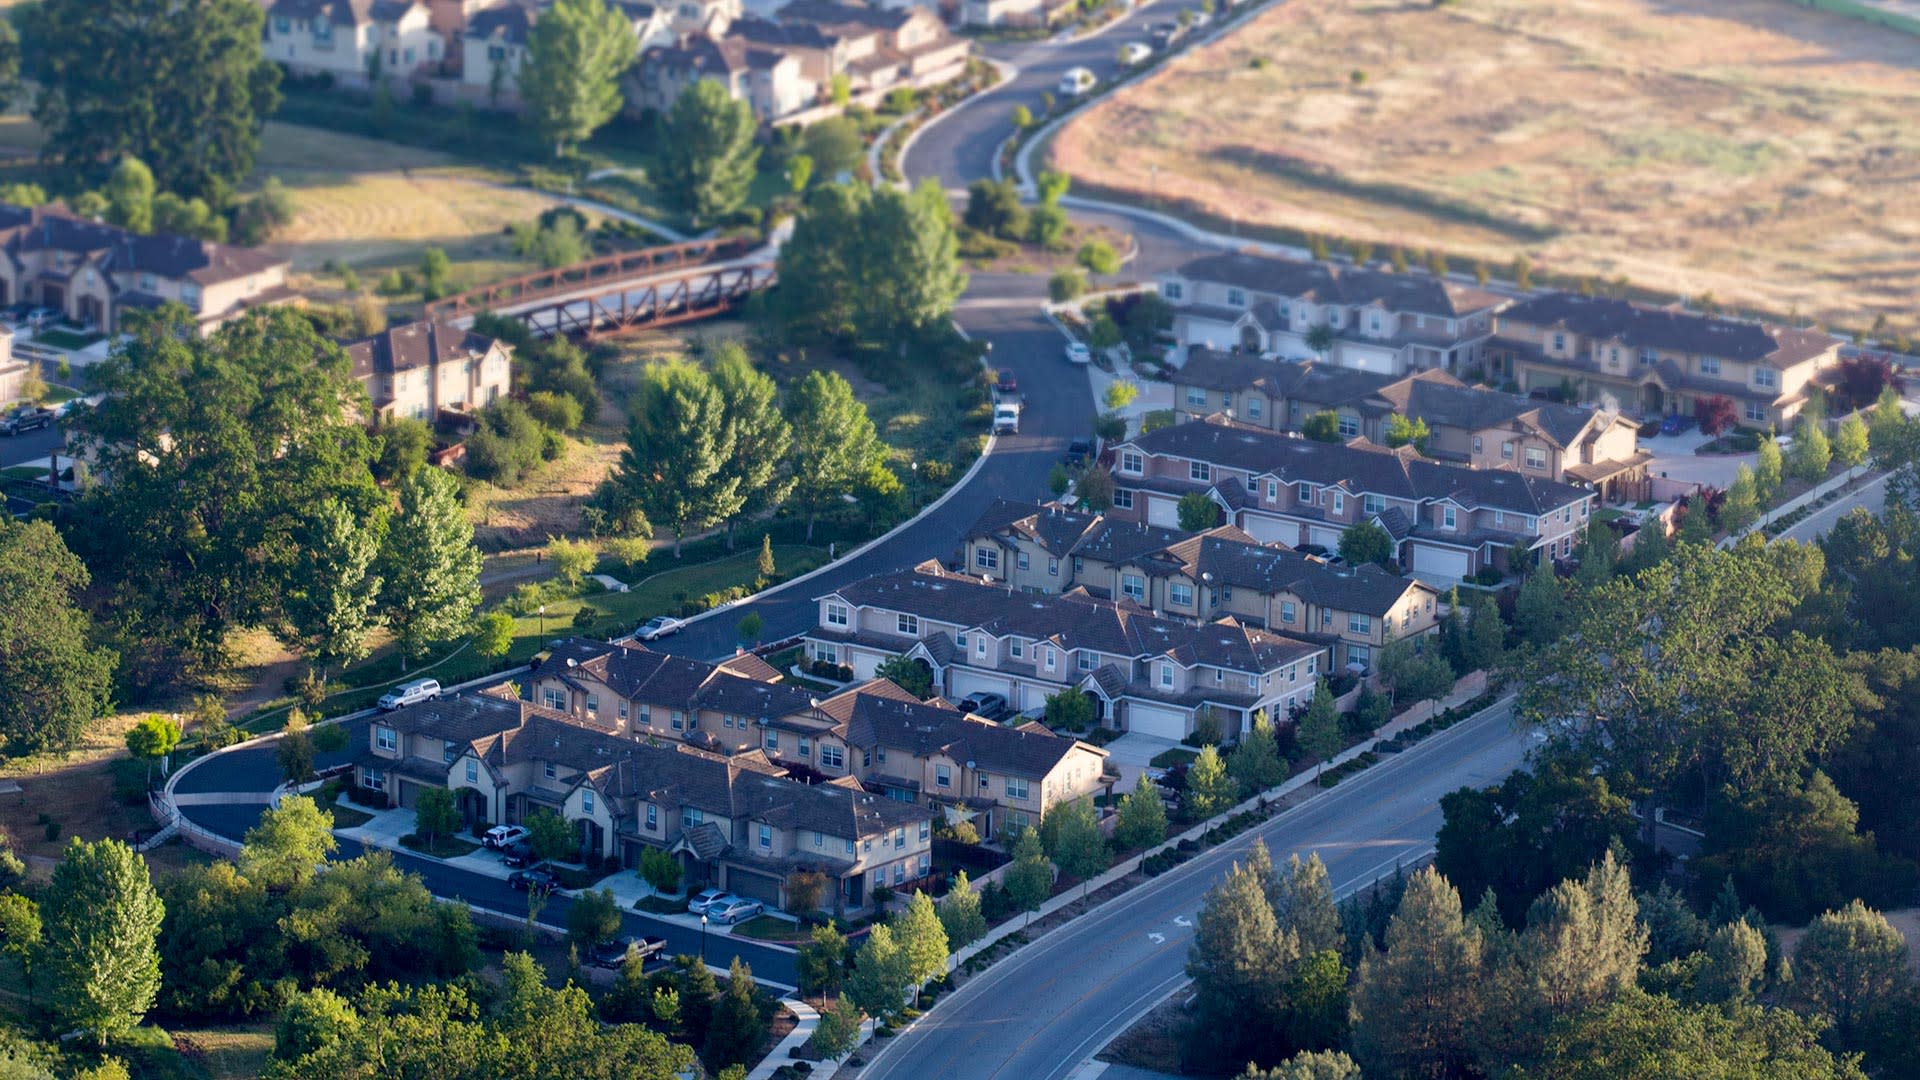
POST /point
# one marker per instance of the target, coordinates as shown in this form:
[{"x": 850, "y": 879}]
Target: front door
[
  {"x": 55, "y": 297},
  {"x": 1250, "y": 338}
]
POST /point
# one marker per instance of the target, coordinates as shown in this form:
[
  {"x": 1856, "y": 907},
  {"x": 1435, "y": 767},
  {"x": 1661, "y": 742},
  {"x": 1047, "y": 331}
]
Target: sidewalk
[{"x": 808, "y": 1019}]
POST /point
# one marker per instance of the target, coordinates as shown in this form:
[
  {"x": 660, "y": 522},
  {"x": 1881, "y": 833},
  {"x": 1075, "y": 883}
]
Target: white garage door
[
  {"x": 1439, "y": 562},
  {"x": 1269, "y": 530},
  {"x": 1325, "y": 537},
  {"x": 1157, "y": 720},
  {"x": 1162, "y": 511},
  {"x": 966, "y": 682}
]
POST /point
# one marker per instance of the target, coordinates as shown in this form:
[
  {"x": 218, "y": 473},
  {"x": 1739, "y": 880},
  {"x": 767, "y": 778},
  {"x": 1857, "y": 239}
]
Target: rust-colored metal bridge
[{"x": 635, "y": 290}]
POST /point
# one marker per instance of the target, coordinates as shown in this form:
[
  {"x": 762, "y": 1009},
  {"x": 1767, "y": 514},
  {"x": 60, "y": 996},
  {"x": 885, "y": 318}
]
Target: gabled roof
[
  {"x": 510, "y": 22},
  {"x": 847, "y": 14},
  {"x": 702, "y": 54},
  {"x": 635, "y": 671},
  {"x": 1637, "y": 325},
  {"x": 55, "y": 228},
  {"x": 413, "y": 345},
  {"x": 1328, "y": 283},
  {"x": 1244, "y": 564},
  {"x": 1055, "y": 528},
  {"x": 836, "y": 809},
  {"x": 343, "y": 12}
]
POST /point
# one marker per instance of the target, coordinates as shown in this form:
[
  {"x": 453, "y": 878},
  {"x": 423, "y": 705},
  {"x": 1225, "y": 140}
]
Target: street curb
[{"x": 1008, "y": 73}]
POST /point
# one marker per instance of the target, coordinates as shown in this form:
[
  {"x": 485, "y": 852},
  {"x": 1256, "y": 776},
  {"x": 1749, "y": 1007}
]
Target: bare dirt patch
[{"x": 1754, "y": 149}]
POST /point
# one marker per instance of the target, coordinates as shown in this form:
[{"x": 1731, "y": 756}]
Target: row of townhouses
[
  {"x": 743, "y": 779},
  {"x": 1448, "y": 521},
  {"x": 419, "y": 370},
  {"x": 1598, "y": 448},
  {"x": 1624, "y": 357},
  {"x": 1145, "y": 673},
  {"x": 782, "y": 60},
  {"x": 1354, "y": 611}
]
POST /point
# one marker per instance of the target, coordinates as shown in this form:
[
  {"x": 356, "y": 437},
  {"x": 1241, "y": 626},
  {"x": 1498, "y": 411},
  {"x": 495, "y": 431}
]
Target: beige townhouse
[
  {"x": 1448, "y": 521},
  {"x": 492, "y": 40},
  {"x": 881, "y": 48},
  {"x": 1145, "y": 673},
  {"x": 1652, "y": 362},
  {"x": 737, "y": 821},
  {"x": 1379, "y": 322},
  {"x": 1598, "y": 448},
  {"x": 769, "y": 80},
  {"x": 970, "y": 769},
  {"x": 421, "y": 369},
  {"x": 353, "y": 43},
  {"x": 94, "y": 274}
]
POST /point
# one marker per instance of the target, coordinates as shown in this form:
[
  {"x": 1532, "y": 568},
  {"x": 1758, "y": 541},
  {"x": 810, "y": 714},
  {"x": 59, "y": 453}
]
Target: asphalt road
[
  {"x": 1041, "y": 1012},
  {"x": 32, "y": 447}
]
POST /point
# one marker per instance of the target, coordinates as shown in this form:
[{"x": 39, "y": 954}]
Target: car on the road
[
  {"x": 1200, "y": 18},
  {"x": 1004, "y": 382},
  {"x": 612, "y": 954},
  {"x": 1078, "y": 353},
  {"x": 1006, "y": 418},
  {"x": 988, "y": 705},
  {"x": 1078, "y": 451},
  {"x": 410, "y": 693},
  {"x": 25, "y": 419},
  {"x": 658, "y": 627},
  {"x": 534, "y": 879},
  {"x": 1162, "y": 34},
  {"x": 1135, "y": 52},
  {"x": 502, "y": 837},
  {"x": 705, "y": 898},
  {"x": 1676, "y": 423},
  {"x": 1076, "y": 81},
  {"x": 735, "y": 910}
]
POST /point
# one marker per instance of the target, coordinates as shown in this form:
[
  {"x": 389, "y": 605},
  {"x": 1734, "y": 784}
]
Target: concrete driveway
[
  {"x": 1133, "y": 753},
  {"x": 1676, "y": 457}
]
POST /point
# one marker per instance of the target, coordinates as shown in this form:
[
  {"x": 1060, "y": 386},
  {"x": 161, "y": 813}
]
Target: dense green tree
[
  {"x": 1366, "y": 542},
  {"x": 1323, "y": 426},
  {"x": 53, "y": 680},
  {"x": 1198, "y": 511},
  {"x": 129, "y": 193},
  {"x": 759, "y": 436},
  {"x": 1673, "y": 930},
  {"x": 1239, "y": 961},
  {"x": 922, "y": 939},
  {"x": 1209, "y": 789},
  {"x": 834, "y": 442},
  {"x": 838, "y": 1032},
  {"x": 822, "y": 961},
  {"x": 1302, "y": 901},
  {"x": 1404, "y": 432},
  {"x": 835, "y": 146},
  {"x": 1651, "y": 546},
  {"x": 1029, "y": 881},
  {"x": 912, "y": 272},
  {"x": 908, "y": 674},
  {"x": 1308, "y": 1065},
  {"x": 1696, "y": 527},
  {"x": 880, "y": 976},
  {"x": 313, "y": 1020},
  {"x": 550, "y": 836},
  {"x": 818, "y": 266},
  {"x": 1851, "y": 967},
  {"x": 679, "y": 444},
  {"x": 288, "y": 846},
  {"x": 1098, "y": 257},
  {"x": 1851, "y": 443},
  {"x": 960, "y": 913},
  {"x": 101, "y": 918},
  {"x": 1320, "y": 338},
  {"x": 1734, "y": 964},
  {"x": 435, "y": 816},
  {"x": 295, "y": 751},
  {"x": 153, "y": 738},
  {"x": 1767, "y": 470},
  {"x": 1485, "y": 648},
  {"x": 1143, "y": 817},
  {"x": 1415, "y": 674},
  {"x": 1071, "y": 709},
  {"x": 328, "y": 609},
  {"x": 1256, "y": 764},
  {"x": 1071, "y": 833},
  {"x": 429, "y": 566},
  {"x": 403, "y": 446},
  {"x": 1416, "y": 1005},
  {"x": 1540, "y": 612},
  {"x": 1318, "y": 732},
  {"x": 993, "y": 207},
  {"x": 180, "y": 85},
  {"x": 1640, "y": 1036},
  {"x": 1741, "y": 507},
  {"x": 1810, "y": 454},
  {"x": 570, "y": 77},
  {"x": 707, "y": 156}
]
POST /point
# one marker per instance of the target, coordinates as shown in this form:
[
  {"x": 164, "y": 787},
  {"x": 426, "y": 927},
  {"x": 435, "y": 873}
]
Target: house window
[
  {"x": 1765, "y": 377},
  {"x": 623, "y": 710},
  {"x": 1373, "y": 504},
  {"x": 1536, "y": 457},
  {"x": 1359, "y": 624},
  {"x": 908, "y": 625},
  {"x": 586, "y": 802},
  {"x": 806, "y": 747},
  {"x": 1273, "y": 491},
  {"x": 766, "y": 837},
  {"x": 836, "y": 615},
  {"x": 772, "y": 742},
  {"x": 1304, "y": 494},
  {"x": 1016, "y": 648},
  {"x": 849, "y": 847},
  {"x": 1349, "y": 426},
  {"x": 1531, "y": 523},
  {"x": 679, "y": 720},
  {"x": 926, "y": 830},
  {"x": 593, "y": 703},
  {"x": 1053, "y": 567},
  {"x": 1373, "y": 321},
  {"x": 1446, "y": 517},
  {"x": 547, "y": 769},
  {"x": 1286, "y": 611},
  {"x": 1180, "y": 594},
  {"x": 1172, "y": 290},
  {"x": 148, "y": 283},
  {"x": 689, "y": 817},
  {"x": 1132, "y": 586},
  {"x": 986, "y": 558},
  {"x": 899, "y": 839},
  {"x": 1199, "y": 470},
  {"x": 1123, "y": 498},
  {"x": 384, "y": 738},
  {"x": 832, "y": 756},
  {"x": 553, "y": 699},
  {"x": 1088, "y": 660},
  {"x": 1166, "y": 675},
  {"x": 1020, "y": 560},
  {"x": 473, "y": 772},
  {"x": 1476, "y": 444},
  {"x": 1756, "y": 411},
  {"x": 376, "y": 779},
  {"x": 1649, "y": 357},
  {"x": 899, "y": 872},
  {"x": 1016, "y": 788},
  {"x": 960, "y": 641},
  {"x": 653, "y": 817},
  {"x": 1613, "y": 357},
  {"x": 819, "y": 838},
  {"x": 1709, "y": 365},
  {"x": 1506, "y": 450},
  {"x": 1047, "y": 658},
  {"x": 980, "y": 644},
  {"x": 1359, "y": 654},
  {"x": 1559, "y": 342},
  {"x": 281, "y": 25},
  {"x": 1253, "y": 406},
  {"x": 1130, "y": 462},
  {"x": 1499, "y": 519},
  {"x": 1236, "y": 298},
  {"x": 943, "y": 776},
  {"x": 1339, "y": 502}
]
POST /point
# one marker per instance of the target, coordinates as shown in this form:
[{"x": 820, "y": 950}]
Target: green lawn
[
  {"x": 444, "y": 847},
  {"x": 344, "y": 817},
  {"x": 770, "y": 928},
  {"x": 1179, "y": 755},
  {"x": 660, "y": 905},
  {"x": 67, "y": 339}
]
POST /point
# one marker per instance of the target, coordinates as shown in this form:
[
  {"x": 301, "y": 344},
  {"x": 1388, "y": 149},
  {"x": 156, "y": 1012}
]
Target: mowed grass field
[{"x": 1758, "y": 150}]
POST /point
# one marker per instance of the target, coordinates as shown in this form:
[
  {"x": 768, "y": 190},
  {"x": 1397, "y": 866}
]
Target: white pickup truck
[{"x": 1006, "y": 418}]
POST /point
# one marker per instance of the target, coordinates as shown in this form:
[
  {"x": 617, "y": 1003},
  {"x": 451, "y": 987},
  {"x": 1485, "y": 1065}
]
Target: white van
[
  {"x": 410, "y": 693},
  {"x": 1076, "y": 81}
]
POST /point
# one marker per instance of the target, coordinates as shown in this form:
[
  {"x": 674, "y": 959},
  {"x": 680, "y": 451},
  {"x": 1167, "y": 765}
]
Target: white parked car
[
  {"x": 1006, "y": 419},
  {"x": 502, "y": 837},
  {"x": 1076, "y": 81},
  {"x": 734, "y": 911},
  {"x": 658, "y": 627},
  {"x": 1135, "y": 52},
  {"x": 410, "y": 693},
  {"x": 705, "y": 899},
  {"x": 1078, "y": 353}
]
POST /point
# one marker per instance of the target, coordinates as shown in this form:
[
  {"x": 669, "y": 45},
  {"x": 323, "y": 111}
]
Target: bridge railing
[{"x": 559, "y": 281}]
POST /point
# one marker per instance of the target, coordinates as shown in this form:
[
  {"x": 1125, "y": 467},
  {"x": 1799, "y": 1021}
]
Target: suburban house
[
  {"x": 1480, "y": 427},
  {"x": 1652, "y": 361},
  {"x": 767, "y": 79},
  {"x": 421, "y": 369},
  {"x": 1014, "y": 13},
  {"x": 13, "y": 371},
  {"x": 1145, "y": 673},
  {"x": 1448, "y": 521},
  {"x": 1355, "y": 611},
  {"x": 970, "y": 769},
  {"x": 92, "y": 273},
  {"x": 355, "y": 43},
  {"x": 1379, "y": 322},
  {"x": 737, "y": 822}
]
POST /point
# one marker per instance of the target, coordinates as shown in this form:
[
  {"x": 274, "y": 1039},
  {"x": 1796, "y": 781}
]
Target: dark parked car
[
  {"x": 1078, "y": 451},
  {"x": 612, "y": 954},
  {"x": 23, "y": 420},
  {"x": 1005, "y": 383},
  {"x": 518, "y": 856},
  {"x": 536, "y": 879},
  {"x": 1676, "y": 423}
]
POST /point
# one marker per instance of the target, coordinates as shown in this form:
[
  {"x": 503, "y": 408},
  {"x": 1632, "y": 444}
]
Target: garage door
[
  {"x": 1156, "y": 720},
  {"x": 966, "y": 683},
  {"x": 1162, "y": 511},
  {"x": 1439, "y": 562},
  {"x": 1270, "y": 530},
  {"x": 1325, "y": 537},
  {"x": 762, "y": 887}
]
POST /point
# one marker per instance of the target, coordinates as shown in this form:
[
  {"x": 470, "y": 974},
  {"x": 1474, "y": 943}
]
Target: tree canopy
[
  {"x": 54, "y": 680},
  {"x": 570, "y": 78}
]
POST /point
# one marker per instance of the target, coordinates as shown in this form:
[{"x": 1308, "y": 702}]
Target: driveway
[
  {"x": 1676, "y": 457},
  {"x": 1133, "y": 753}
]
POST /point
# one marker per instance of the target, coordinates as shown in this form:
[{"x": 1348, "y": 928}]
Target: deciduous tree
[
  {"x": 1198, "y": 511},
  {"x": 288, "y": 846},
  {"x": 674, "y": 467},
  {"x": 570, "y": 77},
  {"x": 153, "y": 738},
  {"x": 910, "y": 675},
  {"x": 1645, "y": 1035},
  {"x": 1074, "y": 841},
  {"x": 435, "y": 816},
  {"x": 1209, "y": 789},
  {"x": 1143, "y": 817},
  {"x": 1767, "y": 469},
  {"x": 1366, "y": 542},
  {"x": 881, "y": 975},
  {"x": 1319, "y": 730},
  {"x": 960, "y": 913},
  {"x": 429, "y": 566},
  {"x": 329, "y": 607},
  {"x": 759, "y": 438},
  {"x": 1257, "y": 765},
  {"x": 550, "y": 836},
  {"x": 834, "y": 442},
  {"x": 101, "y": 918},
  {"x": 53, "y": 680},
  {"x": 922, "y": 939},
  {"x": 822, "y": 961},
  {"x": 1811, "y": 454},
  {"x": 1741, "y": 507},
  {"x": 593, "y": 918},
  {"x": 1029, "y": 881},
  {"x": 1851, "y": 965},
  {"x": 707, "y": 157}
]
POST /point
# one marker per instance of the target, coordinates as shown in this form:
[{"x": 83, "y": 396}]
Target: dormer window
[
  {"x": 1166, "y": 675},
  {"x": 1199, "y": 471},
  {"x": 1236, "y": 298}
]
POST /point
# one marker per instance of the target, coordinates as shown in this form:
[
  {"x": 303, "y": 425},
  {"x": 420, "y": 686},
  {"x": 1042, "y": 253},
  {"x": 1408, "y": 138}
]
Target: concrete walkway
[{"x": 809, "y": 1019}]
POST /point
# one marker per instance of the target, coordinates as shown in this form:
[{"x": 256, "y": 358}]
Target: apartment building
[
  {"x": 1355, "y": 611},
  {"x": 1448, "y": 521},
  {"x": 1651, "y": 361},
  {"x": 355, "y": 43},
  {"x": 1484, "y": 428},
  {"x": 1145, "y": 673},
  {"x": 1380, "y": 322},
  {"x": 734, "y": 821},
  {"x": 420, "y": 369}
]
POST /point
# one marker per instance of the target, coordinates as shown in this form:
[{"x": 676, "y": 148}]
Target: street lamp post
[
  {"x": 703, "y": 939},
  {"x": 543, "y": 622}
]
